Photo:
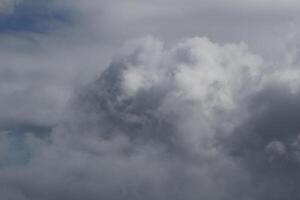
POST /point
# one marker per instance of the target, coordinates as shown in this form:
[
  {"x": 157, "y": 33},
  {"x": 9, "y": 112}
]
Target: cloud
[
  {"x": 148, "y": 128},
  {"x": 39, "y": 68},
  {"x": 50, "y": 47},
  {"x": 266, "y": 143},
  {"x": 179, "y": 119},
  {"x": 231, "y": 21}
]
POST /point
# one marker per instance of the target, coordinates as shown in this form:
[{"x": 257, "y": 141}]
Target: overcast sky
[{"x": 149, "y": 99}]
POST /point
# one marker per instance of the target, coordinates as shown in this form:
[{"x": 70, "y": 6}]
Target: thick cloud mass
[
  {"x": 212, "y": 117},
  {"x": 197, "y": 120}
]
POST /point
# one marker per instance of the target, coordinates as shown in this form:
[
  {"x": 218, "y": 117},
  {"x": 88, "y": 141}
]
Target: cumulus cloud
[
  {"x": 42, "y": 67},
  {"x": 193, "y": 118},
  {"x": 169, "y": 123}
]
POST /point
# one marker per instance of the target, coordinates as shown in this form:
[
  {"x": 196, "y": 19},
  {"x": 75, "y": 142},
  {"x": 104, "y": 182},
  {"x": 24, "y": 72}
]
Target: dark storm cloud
[{"x": 267, "y": 144}]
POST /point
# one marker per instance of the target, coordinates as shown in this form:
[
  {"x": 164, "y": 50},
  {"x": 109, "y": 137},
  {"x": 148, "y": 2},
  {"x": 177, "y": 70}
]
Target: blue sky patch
[
  {"x": 19, "y": 152},
  {"x": 40, "y": 16}
]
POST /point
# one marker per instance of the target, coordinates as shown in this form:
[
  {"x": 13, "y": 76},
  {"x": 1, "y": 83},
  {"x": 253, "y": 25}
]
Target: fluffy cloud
[
  {"x": 42, "y": 68},
  {"x": 168, "y": 123},
  {"x": 193, "y": 119}
]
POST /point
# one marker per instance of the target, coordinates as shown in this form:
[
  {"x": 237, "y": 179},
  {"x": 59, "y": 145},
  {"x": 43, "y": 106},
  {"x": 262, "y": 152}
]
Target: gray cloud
[
  {"x": 266, "y": 144},
  {"x": 222, "y": 21},
  {"x": 185, "y": 119},
  {"x": 46, "y": 65},
  {"x": 156, "y": 125}
]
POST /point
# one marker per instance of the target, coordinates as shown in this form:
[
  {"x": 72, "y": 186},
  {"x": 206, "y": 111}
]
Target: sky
[{"x": 152, "y": 100}]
